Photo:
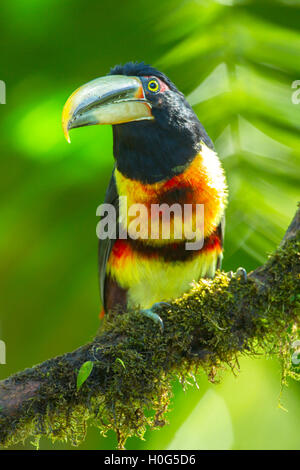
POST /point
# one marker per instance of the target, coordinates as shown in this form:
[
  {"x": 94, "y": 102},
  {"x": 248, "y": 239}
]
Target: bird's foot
[
  {"x": 241, "y": 273},
  {"x": 150, "y": 313}
]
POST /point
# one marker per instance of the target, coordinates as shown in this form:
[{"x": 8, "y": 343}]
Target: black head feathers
[
  {"x": 155, "y": 150},
  {"x": 140, "y": 69}
]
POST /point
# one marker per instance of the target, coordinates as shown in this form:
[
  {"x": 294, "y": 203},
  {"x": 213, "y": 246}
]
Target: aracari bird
[{"x": 163, "y": 156}]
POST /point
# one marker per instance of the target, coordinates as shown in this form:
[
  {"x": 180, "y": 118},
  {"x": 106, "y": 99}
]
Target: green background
[{"x": 236, "y": 62}]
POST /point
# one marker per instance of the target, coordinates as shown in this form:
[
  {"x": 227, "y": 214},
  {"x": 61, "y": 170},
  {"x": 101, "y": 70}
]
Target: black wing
[
  {"x": 221, "y": 233},
  {"x": 105, "y": 246}
]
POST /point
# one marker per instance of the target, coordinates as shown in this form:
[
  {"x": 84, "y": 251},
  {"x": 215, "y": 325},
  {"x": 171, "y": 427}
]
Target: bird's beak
[{"x": 113, "y": 99}]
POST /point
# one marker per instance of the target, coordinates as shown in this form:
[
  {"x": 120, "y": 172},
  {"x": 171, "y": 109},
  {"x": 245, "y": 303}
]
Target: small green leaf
[
  {"x": 120, "y": 360},
  {"x": 84, "y": 373}
]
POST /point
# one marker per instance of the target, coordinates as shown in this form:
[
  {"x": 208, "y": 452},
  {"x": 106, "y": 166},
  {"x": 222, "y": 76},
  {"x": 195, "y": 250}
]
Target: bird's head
[{"x": 156, "y": 132}]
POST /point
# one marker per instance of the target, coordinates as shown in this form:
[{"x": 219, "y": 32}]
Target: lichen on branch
[{"x": 128, "y": 386}]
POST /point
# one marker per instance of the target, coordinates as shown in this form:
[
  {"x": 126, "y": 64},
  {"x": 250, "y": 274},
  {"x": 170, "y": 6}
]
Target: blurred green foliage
[{"x": 236, "y": 61}]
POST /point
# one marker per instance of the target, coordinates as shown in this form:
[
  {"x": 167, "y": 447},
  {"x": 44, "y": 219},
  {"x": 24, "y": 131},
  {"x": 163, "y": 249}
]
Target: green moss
[{"x": 129, "y": 387}]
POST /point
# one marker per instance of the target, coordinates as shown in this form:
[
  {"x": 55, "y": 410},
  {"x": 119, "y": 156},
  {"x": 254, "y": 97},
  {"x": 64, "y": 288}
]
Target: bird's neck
[{"x": 149, "y": 154}]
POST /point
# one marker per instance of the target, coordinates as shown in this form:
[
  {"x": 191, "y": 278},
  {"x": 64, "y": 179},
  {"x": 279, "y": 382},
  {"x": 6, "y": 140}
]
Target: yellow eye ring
[{"x": 153, "y": 86}]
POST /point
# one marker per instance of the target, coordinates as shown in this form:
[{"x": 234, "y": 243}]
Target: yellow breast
[
  {"x": 154, "y": 278},
  {"x": 203, "y": 182}
]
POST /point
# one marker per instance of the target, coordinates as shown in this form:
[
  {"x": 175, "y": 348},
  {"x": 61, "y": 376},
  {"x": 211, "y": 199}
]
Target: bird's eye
[{"x": 153, "y": 86}]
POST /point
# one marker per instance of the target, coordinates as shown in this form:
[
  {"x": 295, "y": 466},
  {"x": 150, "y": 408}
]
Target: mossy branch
[{"x": 133, "y": 362}]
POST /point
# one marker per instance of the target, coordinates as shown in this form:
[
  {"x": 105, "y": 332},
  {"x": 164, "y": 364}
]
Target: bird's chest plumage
[{"x": 153, "y": 264}]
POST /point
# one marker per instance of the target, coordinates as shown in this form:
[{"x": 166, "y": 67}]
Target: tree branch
[{"x": 133, "y": 362}]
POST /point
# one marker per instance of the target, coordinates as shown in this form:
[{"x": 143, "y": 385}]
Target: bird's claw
[
  {"x": 241, "y": 273},
  {"x": 149, "y": 312}
]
